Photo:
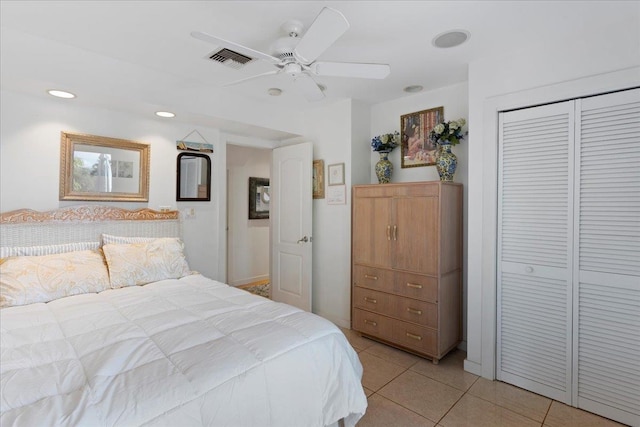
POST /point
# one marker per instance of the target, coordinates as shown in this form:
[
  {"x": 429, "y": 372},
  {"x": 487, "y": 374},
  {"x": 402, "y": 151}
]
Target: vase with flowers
[
  {"x": 384, "y": 144},
  {"x": 444, "y": 135}
]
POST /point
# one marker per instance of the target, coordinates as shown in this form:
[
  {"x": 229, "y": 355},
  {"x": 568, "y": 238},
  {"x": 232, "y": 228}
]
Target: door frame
[{"x": 483, "y": 320}]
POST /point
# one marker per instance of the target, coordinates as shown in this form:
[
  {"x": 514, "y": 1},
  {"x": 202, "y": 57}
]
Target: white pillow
[
  {"x": 8, "y": 251},
  {"x": 31, "y": 279},
  {"x": 142, "y": 263}
]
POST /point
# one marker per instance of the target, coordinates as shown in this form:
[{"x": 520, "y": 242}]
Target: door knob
[{"x": 305, "y": 239}]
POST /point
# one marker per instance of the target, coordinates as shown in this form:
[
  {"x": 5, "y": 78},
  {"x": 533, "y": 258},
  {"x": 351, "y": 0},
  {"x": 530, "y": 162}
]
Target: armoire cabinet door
[
  {"x": 372, "y": 231},
  {"x": 415, "y": 234}
]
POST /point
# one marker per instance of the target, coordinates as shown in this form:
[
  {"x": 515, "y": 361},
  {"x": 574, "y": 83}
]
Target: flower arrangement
[
  {"x": 447, "y": 133},
  {"x": 386, "y": 142}
]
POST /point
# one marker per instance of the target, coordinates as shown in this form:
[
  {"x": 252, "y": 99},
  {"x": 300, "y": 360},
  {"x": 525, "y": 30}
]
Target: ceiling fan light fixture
[
  {"x": 451, "y": 38},
  {"x": 413, "y": 88},
  {"x": 165, "y": 114},
  {"x": 274, "y": 91},
  {"x": 61, "y": 94}
]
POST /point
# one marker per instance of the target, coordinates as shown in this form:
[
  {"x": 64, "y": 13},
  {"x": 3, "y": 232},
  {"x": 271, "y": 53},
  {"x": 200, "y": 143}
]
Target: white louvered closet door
[
  {"x": 534, "y": 249},
  {"x": 607, "y": 267}
]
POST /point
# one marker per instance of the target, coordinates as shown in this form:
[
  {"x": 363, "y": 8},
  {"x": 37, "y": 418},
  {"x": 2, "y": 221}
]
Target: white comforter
[{"x": 176, "y": 352}]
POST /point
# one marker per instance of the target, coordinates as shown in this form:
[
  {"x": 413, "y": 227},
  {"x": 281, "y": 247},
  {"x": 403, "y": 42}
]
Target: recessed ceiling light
[
  {"x": 451, "y": 38},
  {"x": 167, "y": 114},
  {"x": 274, "y": 91},
  {"x": 413, "y": 88},
  {"x": 61, "y": 94}
]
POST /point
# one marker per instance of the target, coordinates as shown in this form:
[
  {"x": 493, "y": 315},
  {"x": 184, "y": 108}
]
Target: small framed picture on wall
[
  {"x": 318, "y": 179},
  {"x": 336, "y": 174}
]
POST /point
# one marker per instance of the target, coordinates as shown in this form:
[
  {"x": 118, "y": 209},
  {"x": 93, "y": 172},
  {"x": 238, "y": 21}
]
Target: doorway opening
[{"x": 248, "y": 240}]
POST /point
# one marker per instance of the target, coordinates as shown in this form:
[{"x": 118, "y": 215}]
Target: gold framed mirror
[{"x": 101, "y": 168}]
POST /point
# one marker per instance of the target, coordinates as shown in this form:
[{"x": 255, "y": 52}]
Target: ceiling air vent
[{"x": 230, "y": 58}]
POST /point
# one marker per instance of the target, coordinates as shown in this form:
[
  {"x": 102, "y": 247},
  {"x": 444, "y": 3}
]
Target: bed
[{"x": 157, "y": 344}]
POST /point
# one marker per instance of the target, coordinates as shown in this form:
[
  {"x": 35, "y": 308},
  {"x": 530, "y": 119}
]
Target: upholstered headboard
[{"x": 84, "y": 223}]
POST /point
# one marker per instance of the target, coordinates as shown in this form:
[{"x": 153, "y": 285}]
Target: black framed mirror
[
  {"x": 194, "y": 177},
  {"x": 259, "y": 198}
]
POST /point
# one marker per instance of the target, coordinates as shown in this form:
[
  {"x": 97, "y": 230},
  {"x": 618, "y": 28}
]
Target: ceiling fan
[{"x": 296, "y": 56}]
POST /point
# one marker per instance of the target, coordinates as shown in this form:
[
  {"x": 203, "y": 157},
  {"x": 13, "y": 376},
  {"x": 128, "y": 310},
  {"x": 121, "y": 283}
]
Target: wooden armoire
[{"x": 407, "y": 265}]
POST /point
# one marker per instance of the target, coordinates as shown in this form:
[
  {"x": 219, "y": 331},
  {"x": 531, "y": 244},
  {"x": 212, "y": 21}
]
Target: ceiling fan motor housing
[{"x": 283, "y": 48}]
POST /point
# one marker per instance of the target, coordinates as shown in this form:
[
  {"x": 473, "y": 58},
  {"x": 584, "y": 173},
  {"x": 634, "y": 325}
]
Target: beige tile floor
[{"x": 406, "y": 391}]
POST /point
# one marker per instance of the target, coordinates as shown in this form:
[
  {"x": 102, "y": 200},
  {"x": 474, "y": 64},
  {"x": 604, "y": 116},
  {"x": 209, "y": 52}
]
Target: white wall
[
  {"x": 329, "y": 129},
  {"x": 385, "y": 118},
  {"x": 360, "y": 143},
  {"x": 248, "y": 239},
  {"x": 30, "y": 163},
  {"x": 591, "y": 63}
]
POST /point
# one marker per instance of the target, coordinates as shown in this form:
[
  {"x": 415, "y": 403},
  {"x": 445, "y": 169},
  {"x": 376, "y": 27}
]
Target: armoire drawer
[
  {"x": 411, "y": 310},
  {"x": 372, "y": 324},
  {"x": 373, "y": 278},
  {"x": 416, "y": 286},
  {"x": 371, "y": 300},
  {"x": 418, "y": 338}
]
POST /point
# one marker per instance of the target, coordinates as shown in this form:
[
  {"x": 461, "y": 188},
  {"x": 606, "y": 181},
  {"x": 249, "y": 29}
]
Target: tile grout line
[
  {"x": 547, "y": 413},
  {"x": 456, "y": 402}
]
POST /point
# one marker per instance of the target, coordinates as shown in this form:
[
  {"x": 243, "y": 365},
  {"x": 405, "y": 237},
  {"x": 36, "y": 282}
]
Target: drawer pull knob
[
  {"x": 367, "y": 276},
  {"x": 413, "y": 285},
  {"x": 388, "y": 232},
  {"x": 415, "y": 337},
  {"x": 367, "y": 299},
  {"x": 414, "y": 311},
  {"x": 370, "y": 322}
]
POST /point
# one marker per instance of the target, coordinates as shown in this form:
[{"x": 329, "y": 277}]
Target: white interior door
[
  {"x": 607, "y": 268},
  {"x": 291, "y": 225},
  {"x": 535, "y": 217}
]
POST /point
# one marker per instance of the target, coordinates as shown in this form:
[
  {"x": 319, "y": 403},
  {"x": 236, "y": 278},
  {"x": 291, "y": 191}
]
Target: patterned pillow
[
  {"x": 7, "y": 251},
  {"x": 31, "y": 279},
  {"x": 142, "y": 263}
]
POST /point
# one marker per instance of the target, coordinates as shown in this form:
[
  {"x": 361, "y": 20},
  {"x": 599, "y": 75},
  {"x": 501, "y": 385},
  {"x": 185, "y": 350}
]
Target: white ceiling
[{"x": 138, "y": 56}]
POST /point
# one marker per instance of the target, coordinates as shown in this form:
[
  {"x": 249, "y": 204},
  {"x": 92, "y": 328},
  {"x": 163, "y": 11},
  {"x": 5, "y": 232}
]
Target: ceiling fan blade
[
  {"x": 308, "y": 87},
  {"x": 268, "y": 73},
  {"x": 328, "y": 26},
  {"x": 350, "y": 69},
  {"x": 234, "y": 46}
]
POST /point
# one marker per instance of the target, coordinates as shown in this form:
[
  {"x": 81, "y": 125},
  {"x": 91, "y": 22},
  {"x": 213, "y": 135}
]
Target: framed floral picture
[{"x": 415, "y": 147}]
